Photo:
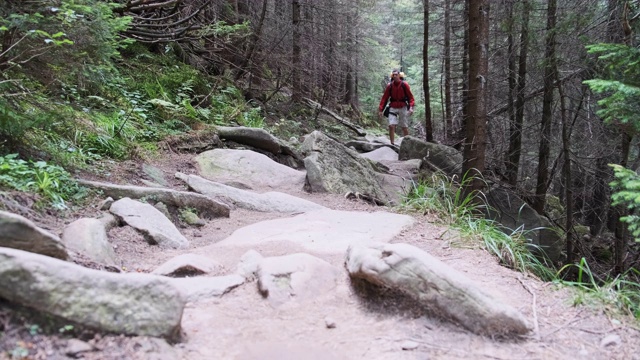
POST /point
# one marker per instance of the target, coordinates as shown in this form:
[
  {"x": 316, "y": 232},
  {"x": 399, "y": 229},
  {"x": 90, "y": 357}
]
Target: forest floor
[{"x": 368, "y": 325}]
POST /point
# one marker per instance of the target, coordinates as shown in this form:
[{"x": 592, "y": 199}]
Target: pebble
[
  {"x": 409, "y": 345},
  {"x": 330, "y": 323}
]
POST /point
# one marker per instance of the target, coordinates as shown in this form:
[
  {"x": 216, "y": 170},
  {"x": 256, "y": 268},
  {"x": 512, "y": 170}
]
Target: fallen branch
[{"x": 317, "y": 106}]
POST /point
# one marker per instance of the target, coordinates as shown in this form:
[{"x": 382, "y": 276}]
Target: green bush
[{"x": 51, "y": 181}]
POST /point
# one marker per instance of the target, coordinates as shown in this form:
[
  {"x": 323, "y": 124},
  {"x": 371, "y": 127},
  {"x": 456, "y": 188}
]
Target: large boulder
[
  {"x": 436, "y": 286},
  {"x": 247, "y": 167},
  {"x": 332, "y": 167},
  {"x": 442, "y": 157},
  {"x": 17, "y": 232},
  {"x": 513, "y": 213},
  {"x": 135, "y": 304}
]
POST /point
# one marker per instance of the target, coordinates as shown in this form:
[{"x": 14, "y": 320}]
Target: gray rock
[
  {"x": 250, "y": 167},
  {"x": 135, "y": 304},
  {"x": 324, "y": 231},
  {"x": 513, "y": 213},
  {"x": 106, "y": 203},
  {"x": 156, "y": 228},
  {"x": 187, "y": 265},
  {"x": 76, "y": 347},
  {"x": 89, "y": 237},
  {"x": 382, "y": 153},
  {"x": 436, "y": 286},
  {"x": 248, "y": 265},
  {"x": 409, "y": 345},
  {"x": 332, "y": 167},
  {"x": 17, "y": 232},
  {"x": 155, "y": 174},
  {"x": 439, "y": 156},
  {"x": 204, "y": 287},
  {"x": 296, "y": 277}
]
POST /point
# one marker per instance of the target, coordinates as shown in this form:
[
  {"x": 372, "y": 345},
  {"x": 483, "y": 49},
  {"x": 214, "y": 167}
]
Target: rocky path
[
  {"x": 273, "y": 284},
  {"x": 354, "y": 320}
]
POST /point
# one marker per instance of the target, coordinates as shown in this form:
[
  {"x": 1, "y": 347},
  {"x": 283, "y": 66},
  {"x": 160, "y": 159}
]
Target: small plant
[
  {"x": 34, "y": 329},
  {"x": 65, "y": 329},
  {"x": 52, "y": 181}
]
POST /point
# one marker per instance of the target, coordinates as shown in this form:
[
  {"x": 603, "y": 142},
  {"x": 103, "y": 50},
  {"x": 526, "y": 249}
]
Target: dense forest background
[{"x": 540, "y": 96}]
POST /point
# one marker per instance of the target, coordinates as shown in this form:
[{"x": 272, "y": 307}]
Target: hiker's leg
[
  {"x": 392, "y": 130},
  {"x": 393, "y": 121},
  {"x": 403, "y": 121}
]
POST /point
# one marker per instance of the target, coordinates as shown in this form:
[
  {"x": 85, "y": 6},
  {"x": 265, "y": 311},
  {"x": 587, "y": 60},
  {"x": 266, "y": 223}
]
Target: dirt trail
[{"x": 242, "y": 324}]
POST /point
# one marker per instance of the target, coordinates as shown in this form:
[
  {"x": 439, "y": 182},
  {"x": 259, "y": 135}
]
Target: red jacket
[{"x": 398, "y": 94}]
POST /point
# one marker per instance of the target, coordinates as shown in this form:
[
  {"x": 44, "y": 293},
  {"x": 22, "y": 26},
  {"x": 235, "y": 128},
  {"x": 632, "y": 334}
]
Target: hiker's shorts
[{"x": 399, "y": 116}]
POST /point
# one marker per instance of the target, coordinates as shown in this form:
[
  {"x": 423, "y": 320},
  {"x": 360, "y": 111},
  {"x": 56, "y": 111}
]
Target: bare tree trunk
[
  {"x": 296, "y": 59},
  {"x": 566, "y": 170},
  {"x": 475, "y": 140},
  {"x": 425, "y": 74},
  {"x": 465, "y": 74},
  {"x": 448, "y": 121},
  {"x": 547, "y": 109},
  {"x": 515, "y": 133}
]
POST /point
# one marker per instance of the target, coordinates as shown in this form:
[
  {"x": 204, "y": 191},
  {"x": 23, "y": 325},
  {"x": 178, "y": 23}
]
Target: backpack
[{"x": 403, "y": 84}]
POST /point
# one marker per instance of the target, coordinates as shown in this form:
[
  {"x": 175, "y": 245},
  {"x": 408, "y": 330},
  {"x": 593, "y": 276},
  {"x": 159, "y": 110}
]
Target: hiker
[{"x": 401, "y": 104}]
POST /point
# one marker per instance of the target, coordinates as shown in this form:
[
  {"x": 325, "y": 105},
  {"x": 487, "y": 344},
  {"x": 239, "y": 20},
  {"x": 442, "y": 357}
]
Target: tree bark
[
  {"x": 547, "y": 110},
  {"x": 448, "y": 120},
  {"x": 475, "y": 141},
  {"x": 296, "y": 51},
  {"x": 425, "y": 74},
  {"x": 515, "y": 132}
]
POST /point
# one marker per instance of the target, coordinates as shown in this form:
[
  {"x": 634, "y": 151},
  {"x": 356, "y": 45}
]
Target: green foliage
[
  {"x": 626, "y": 187},
  {"x": 620, "y": 82},
  {"x": 616, "y": 295},
  {"x": 49, "y": 180},
  {"x": 441, "y": 196}
]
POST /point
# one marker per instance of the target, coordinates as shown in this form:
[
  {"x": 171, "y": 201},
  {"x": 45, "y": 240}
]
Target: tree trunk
[
  {"x": 515, "y": 133},
  {"x": 448, "y": 121},
  {"x": 296, "y": 59},
  {"x": 465, "y": 76},
  {"x": 475, "y": 141},
  {"x": 547, "y": 109},
  {"x": 425, "y": 74},
  {"x": 566, "y": 170}
]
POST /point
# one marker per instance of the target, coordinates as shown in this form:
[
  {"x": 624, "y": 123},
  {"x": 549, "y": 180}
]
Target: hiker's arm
[{"x": 384, "y": 99}]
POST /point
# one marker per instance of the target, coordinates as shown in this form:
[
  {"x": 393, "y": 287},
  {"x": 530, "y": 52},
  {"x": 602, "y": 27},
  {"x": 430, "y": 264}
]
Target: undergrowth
[{"x": 616, "y": 296}]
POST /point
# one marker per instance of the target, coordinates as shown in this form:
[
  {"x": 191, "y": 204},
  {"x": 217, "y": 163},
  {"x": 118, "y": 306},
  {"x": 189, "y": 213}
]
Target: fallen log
[{"x": 206, "y": 206}]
